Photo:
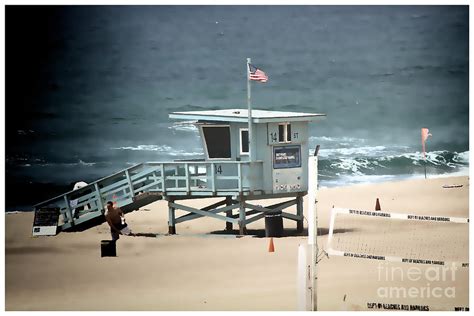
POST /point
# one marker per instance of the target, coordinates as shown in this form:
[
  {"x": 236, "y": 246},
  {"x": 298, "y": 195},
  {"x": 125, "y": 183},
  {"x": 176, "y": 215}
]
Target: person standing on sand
[{"x": 116, "y": 220}]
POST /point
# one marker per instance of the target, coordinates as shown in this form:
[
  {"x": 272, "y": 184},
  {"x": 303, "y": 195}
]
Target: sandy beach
[{"x": 196, "y": 270}]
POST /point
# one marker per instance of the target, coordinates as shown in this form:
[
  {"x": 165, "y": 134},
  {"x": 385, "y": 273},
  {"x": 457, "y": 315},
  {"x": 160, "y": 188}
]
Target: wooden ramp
[{"x": 237, "y": 182}]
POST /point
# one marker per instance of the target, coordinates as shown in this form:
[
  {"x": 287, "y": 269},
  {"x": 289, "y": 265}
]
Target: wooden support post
[
  {"x": 130, "y": 184},
  {"x": 228, "y": 225},
  {"x": 213, "y": 175},
  {"x": 242, "y": 228},
  {"x": 100, "y": 205},
  {"x": 171, "y": 217},
  {"x": 299, "y": 212},
  {"x": 186, "y": 173},
  {"x": 176, "y": 183},
  {"x": 239, "y": 175},
  {"x": 69, "y": 211},
  {"x": 163, "y": 180}
]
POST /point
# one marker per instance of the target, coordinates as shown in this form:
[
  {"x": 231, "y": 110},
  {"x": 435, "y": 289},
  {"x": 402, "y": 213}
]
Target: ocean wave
[
  {"x": 351, "y": 179},
  {"x": 24, "y": 132},
  {"x": 27, "y": 159},
  {"x": 186, "y": 154},
  {"x": 160, "y": 148},
  {"x": 360, "y": 151},
  {"x": 168, "y": 150},
  {"x": 65, "y": 164},
  {"x": 338, "y": 140},
  {"x": 406, "y": 163},
  {"x": 418, "y": 16},
  {"x": 437, "y": 158},
  {"x": 83, "y": 163},
  {"x": 184, "y": 127},
  {"x": 356, "y": 166},
  {"x": 357, "y": 179},
  {"x": 462, "y": 157},
  {"x": 364, "y": 151},
  {"x": 13, "y": 212}
]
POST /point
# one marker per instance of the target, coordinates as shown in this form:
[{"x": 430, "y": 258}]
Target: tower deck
[{"x": 236, "y": 181}]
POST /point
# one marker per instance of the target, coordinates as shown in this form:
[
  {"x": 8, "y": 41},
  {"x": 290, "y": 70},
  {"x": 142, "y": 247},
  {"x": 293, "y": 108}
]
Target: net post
[{"x": 313, "y": 225}]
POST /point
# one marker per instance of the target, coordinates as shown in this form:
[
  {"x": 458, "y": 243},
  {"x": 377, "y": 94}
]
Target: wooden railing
[{"x": 193, "y": 178}]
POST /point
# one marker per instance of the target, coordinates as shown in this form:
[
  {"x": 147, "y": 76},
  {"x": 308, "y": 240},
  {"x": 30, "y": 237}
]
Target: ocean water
[{"x": 89, "y": 88}]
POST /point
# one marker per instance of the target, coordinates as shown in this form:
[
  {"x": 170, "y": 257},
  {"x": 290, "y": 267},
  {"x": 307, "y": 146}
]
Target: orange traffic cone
[
  {"x": 377, "y": 205},
  {"x": 271, "y": 246}
]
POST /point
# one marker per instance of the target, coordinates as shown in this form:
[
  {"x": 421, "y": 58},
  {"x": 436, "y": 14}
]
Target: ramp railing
[{"x": 193, "y": 178}]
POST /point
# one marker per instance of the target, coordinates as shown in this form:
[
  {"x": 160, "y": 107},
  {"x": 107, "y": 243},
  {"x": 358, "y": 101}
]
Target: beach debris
[
  {"x": 377, "y": 205},
  {"x": 450, "y": 186},
  {"x": 344, "y": 305},
  {"x": 271, "y": 246}
]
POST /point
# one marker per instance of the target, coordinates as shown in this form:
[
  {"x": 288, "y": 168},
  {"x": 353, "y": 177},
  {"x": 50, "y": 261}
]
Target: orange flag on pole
[{"x": 425, "y": 133}]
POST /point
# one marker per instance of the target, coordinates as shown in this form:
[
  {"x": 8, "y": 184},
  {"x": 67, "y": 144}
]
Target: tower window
[
  {"x": 284, "y": 133},
  {"x": 244, "y": 141}
]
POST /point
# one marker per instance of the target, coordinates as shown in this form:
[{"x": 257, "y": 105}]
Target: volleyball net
[{"x": 397, "y": 237}]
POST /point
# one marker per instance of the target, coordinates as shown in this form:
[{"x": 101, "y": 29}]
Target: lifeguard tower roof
[{"x": 241, "y": 115}]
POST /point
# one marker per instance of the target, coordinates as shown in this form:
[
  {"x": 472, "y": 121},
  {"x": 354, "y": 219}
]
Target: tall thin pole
[
  {"x": 315, "y": 251},
  {"x": 315, "y": 245},
  {"x": 425, "y": 167},
  {"x": 313, "y": 226},
  {"x": 249, "y": 107},
  {"x": 424, "y": 136},
  {"x": 424, "y": 152}
]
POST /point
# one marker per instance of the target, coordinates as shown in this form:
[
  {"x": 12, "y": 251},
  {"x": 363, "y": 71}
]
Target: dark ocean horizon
[{"x": 89, "y": 88}]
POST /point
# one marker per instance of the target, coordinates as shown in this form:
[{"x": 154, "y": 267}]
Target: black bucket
[
  {"x": 273, "y": 224},
  {"x": 108, "y": 248}
]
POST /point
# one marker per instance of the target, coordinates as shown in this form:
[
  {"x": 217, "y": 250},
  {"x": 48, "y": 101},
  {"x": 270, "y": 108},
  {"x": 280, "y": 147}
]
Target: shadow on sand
[
  {"x": 287, "y": 232},
  {"x": 151, "y": 235}
]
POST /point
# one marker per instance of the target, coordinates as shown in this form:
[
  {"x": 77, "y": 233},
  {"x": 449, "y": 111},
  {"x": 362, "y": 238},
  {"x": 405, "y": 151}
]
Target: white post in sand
[
  {"x": 307, "y": 272},
  {"x": 303, "y": 280}
]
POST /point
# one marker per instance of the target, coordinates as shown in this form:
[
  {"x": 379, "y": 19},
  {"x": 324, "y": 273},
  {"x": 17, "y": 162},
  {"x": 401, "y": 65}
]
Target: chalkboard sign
[{"x": 46, "y": 221}]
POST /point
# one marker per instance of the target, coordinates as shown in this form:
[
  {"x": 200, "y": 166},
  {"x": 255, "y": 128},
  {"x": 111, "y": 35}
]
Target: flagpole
[
  {"x": 424, "y": 136},
  {"x": 423, "y": 148},
  {"x": 249, "y": 107},
  {"x": 424, "y": 159}
]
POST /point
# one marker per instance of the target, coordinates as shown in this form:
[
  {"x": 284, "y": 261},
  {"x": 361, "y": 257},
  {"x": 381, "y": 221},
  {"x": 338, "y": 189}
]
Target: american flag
[{"x": 256, "y": 74}]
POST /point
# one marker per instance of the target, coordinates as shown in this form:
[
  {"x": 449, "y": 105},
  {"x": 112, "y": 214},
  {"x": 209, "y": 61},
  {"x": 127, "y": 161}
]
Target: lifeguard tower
[{"x": 271, "y": 164}]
